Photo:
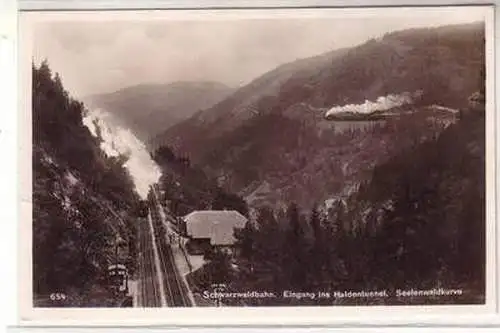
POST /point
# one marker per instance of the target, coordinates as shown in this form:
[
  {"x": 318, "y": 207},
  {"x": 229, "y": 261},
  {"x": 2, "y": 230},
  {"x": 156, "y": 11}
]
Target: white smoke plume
[
  {"x": 381, "y": 104},
  {"x": 120, "y": 141}
]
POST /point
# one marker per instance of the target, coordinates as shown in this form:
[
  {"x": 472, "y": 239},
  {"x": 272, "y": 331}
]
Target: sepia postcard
[{"x": 255, "y": 166}]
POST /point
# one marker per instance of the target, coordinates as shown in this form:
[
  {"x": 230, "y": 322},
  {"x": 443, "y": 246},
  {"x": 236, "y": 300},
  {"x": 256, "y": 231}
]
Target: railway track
[
  {"x": 149, "y": 295},
  {"x": 175, "y": 289}
]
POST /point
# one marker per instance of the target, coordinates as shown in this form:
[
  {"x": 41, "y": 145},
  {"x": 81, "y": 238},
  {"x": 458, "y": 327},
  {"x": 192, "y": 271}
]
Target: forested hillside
[
  {"x": 187, "y": 187},
  {"x": 417, "y": 224},
  {"x": 83, "y": 202},
  {"x": 443, "y": 62},
  {"x": 272, "y": 142},
  {"x": 406, "y": 195},
  {"x": 275, "y": 159}
]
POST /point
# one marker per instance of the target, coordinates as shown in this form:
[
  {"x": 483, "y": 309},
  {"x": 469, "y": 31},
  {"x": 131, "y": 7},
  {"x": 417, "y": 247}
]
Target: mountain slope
[
  {"x": 277, "y": 144},
  {"x": 417, "y": 224},
  {"x": 430, "y": 204},
  {"x": 443, "y": 62},
  {"x": 83, "y": 202},
  {"x": 244, "y": 102},
  {"x": 150, "y": 108}
]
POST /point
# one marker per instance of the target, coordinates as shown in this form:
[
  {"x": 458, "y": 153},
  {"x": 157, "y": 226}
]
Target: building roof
[{"x": 218, "y": 225}]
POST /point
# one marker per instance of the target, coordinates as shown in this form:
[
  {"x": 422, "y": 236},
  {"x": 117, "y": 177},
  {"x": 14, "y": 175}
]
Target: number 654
[{"x": 57, "y": 297}]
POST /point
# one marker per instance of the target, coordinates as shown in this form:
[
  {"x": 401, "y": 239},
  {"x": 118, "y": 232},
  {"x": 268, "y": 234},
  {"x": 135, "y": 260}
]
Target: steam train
[{"x": 142, "y": 209}]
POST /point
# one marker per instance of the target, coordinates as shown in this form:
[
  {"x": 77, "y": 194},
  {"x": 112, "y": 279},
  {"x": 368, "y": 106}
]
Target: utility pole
[
  {"x": 116, "y": 250},
  {"x": 116, "y": 287}
]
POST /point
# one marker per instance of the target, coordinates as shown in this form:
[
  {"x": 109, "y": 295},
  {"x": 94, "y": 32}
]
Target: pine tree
[
  {"x": 245, "y": 242},
  {"x": 295, "y": 247},
  {"x": 219, "y": 267},
  {"x": 317, "y": 253}
]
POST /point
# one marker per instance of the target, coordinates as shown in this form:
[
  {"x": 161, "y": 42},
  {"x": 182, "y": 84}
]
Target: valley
[{"x": 359, "y": 168}]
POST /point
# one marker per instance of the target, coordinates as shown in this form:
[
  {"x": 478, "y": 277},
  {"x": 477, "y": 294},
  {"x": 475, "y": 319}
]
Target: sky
[{"x": 107, "y": 54}]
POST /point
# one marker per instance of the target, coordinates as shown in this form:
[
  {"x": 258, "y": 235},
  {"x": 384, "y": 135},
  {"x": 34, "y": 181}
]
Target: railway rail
[
  {"x": 175, "y": 289},
  {"x": 149, "y": 295}
]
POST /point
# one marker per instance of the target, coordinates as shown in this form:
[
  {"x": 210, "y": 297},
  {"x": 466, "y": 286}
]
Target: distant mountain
[
  {"x": 245, "y": 102},
  {"x": 148, "y": 109},
  {"x": 443, "y": 62},
  {"x": 274, "y": 134}
]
